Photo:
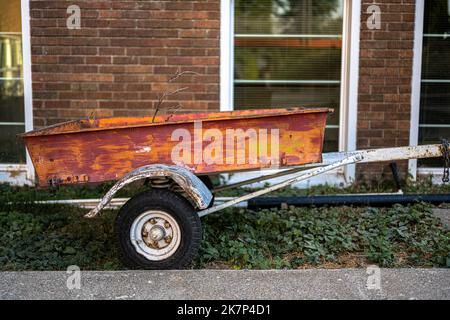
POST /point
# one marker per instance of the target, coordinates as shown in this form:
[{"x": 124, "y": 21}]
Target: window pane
[
  {"x": 435, "y": 90},
  {"x": 331, "y": 139},
  {"x": 430, "y": 136},
  {"x": 10, "y": 18},
  {"x": 435, "y": 58},
  {"x": 288, "y": 53},
  {"x": 288, "y": 17},
  {"x": 10, "y": 56},
  {"x": 287, "y": 60},
  {"x": 435, "y": 104},
  {"x": 12, "y": 117},
  {"x": 11, "y": 101},
  {"x": 264, "y": 96},
  {"x": 436, "y": 17},
  {"x": 12, "y": 148}
]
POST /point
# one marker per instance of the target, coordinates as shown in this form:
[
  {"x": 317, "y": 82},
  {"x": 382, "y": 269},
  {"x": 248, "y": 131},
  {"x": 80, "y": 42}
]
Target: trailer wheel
[{"x": 158, "y": 229}]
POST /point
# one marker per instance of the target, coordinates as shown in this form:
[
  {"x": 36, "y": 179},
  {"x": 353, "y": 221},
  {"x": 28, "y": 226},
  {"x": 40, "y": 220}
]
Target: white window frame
[
  {"x": 20, "y": 174},
  {"x": 414, "y": 171},
  {"x": 349, "y": 83}
]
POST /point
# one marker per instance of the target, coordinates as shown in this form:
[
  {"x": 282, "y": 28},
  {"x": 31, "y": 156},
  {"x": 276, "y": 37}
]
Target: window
[
  {"x": 434, "y": 118},
  {"x": 288, "y": 53},
  {"x": 11, "y": 83}
]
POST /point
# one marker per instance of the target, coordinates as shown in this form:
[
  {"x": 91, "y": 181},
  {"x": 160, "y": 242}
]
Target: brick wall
[
  {"x": 126, "y": 50},
  {"x": 385, "y": 75},
  {"x": 122, "y": 57}
]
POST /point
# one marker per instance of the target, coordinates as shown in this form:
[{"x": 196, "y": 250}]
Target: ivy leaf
[{"x": 69, "y": 250}]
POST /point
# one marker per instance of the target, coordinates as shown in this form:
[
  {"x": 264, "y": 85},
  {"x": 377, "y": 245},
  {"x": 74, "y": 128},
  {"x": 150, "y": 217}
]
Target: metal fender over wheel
[{"x": 158, "y": 229}]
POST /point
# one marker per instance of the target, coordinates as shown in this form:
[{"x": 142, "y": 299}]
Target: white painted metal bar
[
  {"x": 402, "y": 153},
  {"x": 10, "y": 78},
  {"x": 12, "y": 123},
  {"x": 338, "y": 159},
  {"x": 380, "y": 155},
  {"x": 5, "y": 167},
  {"x": 243, "y": 81},
  {"x": 416, "y": 83},
  {"x": 27, "y": 82},
  {"x": 373, "y": 155},
  {"x": 303, "y": 175},
  {"x": 86, "y": 203},
  {"x": 435, "y": 81},
  {"x": 115, "y": 203},
  {"x": 437, "y": 35},
  {"x": 386, "y": 154},
  {"x": 296, "y": 36},
  {"x": 348, "y": 112},
  {"x": 424, "y": 125},
  {"x": 226, "y": 55}
]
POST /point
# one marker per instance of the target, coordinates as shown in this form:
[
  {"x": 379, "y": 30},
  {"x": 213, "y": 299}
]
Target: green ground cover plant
[{"x": 52, "y": 237}]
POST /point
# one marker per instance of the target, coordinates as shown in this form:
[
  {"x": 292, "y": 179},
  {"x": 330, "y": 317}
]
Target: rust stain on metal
[
  {"x": 14, "y": 174},
  {"x": 106, "y": 149}
]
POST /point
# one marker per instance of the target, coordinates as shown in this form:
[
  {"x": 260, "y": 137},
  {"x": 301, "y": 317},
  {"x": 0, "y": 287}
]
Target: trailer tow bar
[
  {"x": 338, "y": 159},
  {"x": 303, "y": 175}
]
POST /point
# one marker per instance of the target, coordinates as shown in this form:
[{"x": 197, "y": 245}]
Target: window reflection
[
  {"x": 11, "y": 83},
  {"x": 288, "y": 53},
  {"x": 434, "y": 123}
]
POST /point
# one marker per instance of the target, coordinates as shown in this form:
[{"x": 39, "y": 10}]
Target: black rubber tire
[{"x": 175, "y": 205}]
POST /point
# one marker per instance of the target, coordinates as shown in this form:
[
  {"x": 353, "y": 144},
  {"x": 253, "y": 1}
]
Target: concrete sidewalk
[{"x": 230, "y": 284}]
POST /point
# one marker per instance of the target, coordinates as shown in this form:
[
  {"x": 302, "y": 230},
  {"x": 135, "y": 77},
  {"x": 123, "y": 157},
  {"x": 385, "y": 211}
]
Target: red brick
[
  {"x": 98, "y": 60},
  {"x": 385, "y": 81}
]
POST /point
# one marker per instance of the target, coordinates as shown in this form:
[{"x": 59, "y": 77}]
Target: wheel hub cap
[{"x": 155, "y": 235}]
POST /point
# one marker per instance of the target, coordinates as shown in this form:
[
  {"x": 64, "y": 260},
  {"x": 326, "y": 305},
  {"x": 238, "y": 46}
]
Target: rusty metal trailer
[
  {"x": 160, "y": 228},
  {"x": 97, "y": 150}
]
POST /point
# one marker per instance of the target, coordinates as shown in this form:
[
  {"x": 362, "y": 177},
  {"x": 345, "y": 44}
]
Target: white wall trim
[
  {"x": 350, "y": 81},
  {"x": 13, "y": 167},
  {"x": 14, "y": 174},
  {"x": 27, "y": 80},
  {"x": 416, "y": 83},
  {"x": 226, "y": 54},
  {"x": 435, "y": 173}
]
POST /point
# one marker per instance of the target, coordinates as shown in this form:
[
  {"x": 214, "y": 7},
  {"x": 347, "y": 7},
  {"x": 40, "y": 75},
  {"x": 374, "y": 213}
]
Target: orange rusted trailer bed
[{"x": 98, "y": 150}]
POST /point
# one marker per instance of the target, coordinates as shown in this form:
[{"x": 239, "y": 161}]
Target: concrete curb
[{"x": 231, "y": 284}]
